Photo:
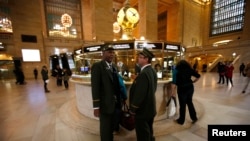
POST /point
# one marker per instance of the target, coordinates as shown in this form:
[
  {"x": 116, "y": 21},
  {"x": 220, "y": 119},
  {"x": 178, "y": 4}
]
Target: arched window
[
  {"x": 63, "y": 18},
  {"x": 227, "y": 16},
  {"x": 5, "y": 20}
]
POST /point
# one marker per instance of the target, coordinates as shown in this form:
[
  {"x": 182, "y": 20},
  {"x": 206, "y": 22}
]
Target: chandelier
[
  {"x": 205, "y": 1},
  {"x": 66, "y": 20},
  {"x": 5, "y": 24}
]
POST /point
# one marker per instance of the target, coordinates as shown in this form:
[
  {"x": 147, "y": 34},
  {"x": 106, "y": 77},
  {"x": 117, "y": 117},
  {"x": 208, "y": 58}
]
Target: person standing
[
  {"x": 221, "y": 71},
  {"x": 142, "y": 101},
  {"x": 45, "y": 77},
  {"x": 182, "y": 79},
  {"x": 65, "y": 77},
  {"x": 247, "y": 72},
  {"x": 35, "y": 73},
  {"x": 58, "y": 71},
  {"x": 229, "y": 73},
  {"x": 105, "y": 92},
  {"x": 242, "y": 67}
]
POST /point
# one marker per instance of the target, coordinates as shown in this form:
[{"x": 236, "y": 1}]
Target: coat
[
  {"x": 142, "y": 94},
  {"x": 229, "y": 71},
  {"x": 44, "y": 74},
  {"x": 102, "y": 86},
  {"x": 247, "y": 70}
]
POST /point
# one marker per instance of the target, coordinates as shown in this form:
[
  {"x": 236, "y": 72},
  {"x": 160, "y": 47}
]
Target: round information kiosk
[{"x": 125, "y": 58}]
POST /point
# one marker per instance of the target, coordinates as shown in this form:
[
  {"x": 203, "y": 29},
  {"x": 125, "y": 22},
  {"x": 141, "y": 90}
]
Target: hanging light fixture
[
  {"x": 66, "y": 20},
  {"x": 205, "y": 1}
]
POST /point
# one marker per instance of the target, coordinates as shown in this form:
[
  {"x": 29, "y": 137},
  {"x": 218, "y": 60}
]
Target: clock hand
[{"x": 132, "y": 12}]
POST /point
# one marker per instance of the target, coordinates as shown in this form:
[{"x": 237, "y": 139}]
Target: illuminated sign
[
  {"x": 140, "y": 45},
  {"x": 171, "y": 47},
  {"x": 123, "y": 46},
  {"x": 92, "y": 48}
]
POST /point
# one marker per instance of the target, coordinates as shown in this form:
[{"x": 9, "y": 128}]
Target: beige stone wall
[
  {"x": 28, "y": 18},
  {"x": 187, "y": 23}
]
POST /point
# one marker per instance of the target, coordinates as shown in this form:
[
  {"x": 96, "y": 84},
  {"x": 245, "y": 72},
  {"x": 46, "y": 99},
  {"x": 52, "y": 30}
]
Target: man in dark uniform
[
  {"x": 142, "y": 97},
  {"x": 105, "y": 92}
]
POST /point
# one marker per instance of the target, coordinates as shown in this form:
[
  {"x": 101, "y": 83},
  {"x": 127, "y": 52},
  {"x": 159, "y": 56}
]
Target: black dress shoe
[{"x": 178, "y": 122}]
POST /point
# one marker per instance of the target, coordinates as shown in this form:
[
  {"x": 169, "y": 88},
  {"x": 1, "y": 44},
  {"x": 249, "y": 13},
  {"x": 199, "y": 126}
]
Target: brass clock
[
  {"x": 121, "y": 16},
  {"x": 132, "y": 15}
]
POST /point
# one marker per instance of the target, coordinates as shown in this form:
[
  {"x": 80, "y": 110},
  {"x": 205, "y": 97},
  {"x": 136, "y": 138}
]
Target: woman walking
[{"x": 185, "y": 89}]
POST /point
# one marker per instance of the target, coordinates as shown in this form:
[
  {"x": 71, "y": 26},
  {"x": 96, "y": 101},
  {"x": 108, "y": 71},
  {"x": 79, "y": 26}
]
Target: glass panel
[
  {"x": 227, "y": 16},
  {"x": 63, "y": 18},
  {"x": 5, "y": 20}
]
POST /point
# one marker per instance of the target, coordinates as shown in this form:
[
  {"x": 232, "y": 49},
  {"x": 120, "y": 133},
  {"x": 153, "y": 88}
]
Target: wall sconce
[{"x": 234, "y": 54}]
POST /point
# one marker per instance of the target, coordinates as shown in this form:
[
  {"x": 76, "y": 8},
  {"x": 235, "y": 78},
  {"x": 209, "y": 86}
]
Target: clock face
[
  {"x": 120, "y": 16},
  {"x": 132, "y": 15}
]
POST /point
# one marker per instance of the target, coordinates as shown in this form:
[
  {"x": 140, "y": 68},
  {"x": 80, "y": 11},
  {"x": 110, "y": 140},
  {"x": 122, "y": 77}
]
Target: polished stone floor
[{"x": 29, "y": 114}]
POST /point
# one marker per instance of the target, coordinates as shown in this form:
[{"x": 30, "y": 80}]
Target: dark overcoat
[
  {"x": 103, "y": 89},
  {"x": 142, "y": 94}
]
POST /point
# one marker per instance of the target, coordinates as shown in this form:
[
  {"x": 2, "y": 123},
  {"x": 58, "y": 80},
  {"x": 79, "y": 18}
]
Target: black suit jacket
[
  {"x": 142, "y": 94},
  {"x": 103, "y": 89}
]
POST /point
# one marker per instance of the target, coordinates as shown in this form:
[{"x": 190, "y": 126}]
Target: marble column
[
  {"x": 98, "y": 20},
  {"x": 148, "y": 25}
]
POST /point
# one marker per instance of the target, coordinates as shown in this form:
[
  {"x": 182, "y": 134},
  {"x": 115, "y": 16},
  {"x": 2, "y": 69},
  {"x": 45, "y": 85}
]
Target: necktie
[{"x": 110, "y": 67}]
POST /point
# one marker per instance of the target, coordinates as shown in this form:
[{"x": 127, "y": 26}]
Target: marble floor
[{"x": 29, "y": 114}]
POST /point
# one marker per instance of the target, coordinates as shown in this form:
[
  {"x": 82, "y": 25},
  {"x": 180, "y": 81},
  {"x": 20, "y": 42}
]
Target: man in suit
[
  {"x": 142, "y": 97},
  {"x": 105, "y": 92}
]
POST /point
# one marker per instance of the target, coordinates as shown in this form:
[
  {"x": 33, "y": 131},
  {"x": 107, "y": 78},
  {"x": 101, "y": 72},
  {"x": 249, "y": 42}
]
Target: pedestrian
[
  {"x": 221, "y": 72},
  {"x": 247, "y": 72},
  {"x": 242, "y": 67},
  {"x": 229, "y": 73},
  {"x": 20, "y": 76},
  {"x": 142, "y": 101},
  {"x": 182, "y": 79},
  {"x": 65, "y": 77},
  {"x": 45, "y": 77},
  {"x": 106, "y": 92},
  {"x": 35, "y": 73},
  {"x": 58, "y": 72},
  {"x": 158, "y": 70},
  {"x": 195, "y": 65}
]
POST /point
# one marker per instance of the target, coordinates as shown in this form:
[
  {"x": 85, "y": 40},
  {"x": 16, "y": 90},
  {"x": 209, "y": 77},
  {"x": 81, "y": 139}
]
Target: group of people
[
  {"x": 106, "y": 94},
  {"x": 61, "y": 75},
  {"x": 225, "y": 71}
]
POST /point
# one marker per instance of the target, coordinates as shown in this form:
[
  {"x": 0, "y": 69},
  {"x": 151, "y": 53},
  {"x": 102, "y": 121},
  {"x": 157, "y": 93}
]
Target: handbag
[
  {"x": 171, "y": 107},
  {"x": 127, "y": 120}
]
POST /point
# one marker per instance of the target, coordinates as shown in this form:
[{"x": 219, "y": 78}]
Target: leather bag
[{"x": 127, "y": 120}]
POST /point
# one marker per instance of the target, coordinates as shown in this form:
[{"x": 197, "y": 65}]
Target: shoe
[
  {"x": 194, "y": 121},
  {"x": 178, "y": 122},
  {"x": 243, "y": 92}
]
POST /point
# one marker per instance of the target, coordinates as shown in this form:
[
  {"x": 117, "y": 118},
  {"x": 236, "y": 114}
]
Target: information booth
[
  {"x": 172, "y": 54},
  {"x": 125, "y": 59}
]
